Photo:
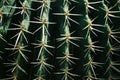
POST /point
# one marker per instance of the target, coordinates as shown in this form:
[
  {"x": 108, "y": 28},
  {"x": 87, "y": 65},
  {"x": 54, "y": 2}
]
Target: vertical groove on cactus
[{"x": 5, "y": 14}]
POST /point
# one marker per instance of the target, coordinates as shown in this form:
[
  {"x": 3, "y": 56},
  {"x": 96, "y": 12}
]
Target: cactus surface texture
[{"x": 59, "y": 39}]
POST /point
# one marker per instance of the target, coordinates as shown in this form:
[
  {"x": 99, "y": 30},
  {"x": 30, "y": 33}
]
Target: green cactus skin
[
  {"x": 17, "y": 57},
  {"x": 65, "y": 39},
  {"x": 59, "y": 39},
  {"x": 42, "y": 47}
]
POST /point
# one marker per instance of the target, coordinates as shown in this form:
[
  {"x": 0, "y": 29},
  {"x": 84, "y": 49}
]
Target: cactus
[{"x": 59, "y": 39}]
